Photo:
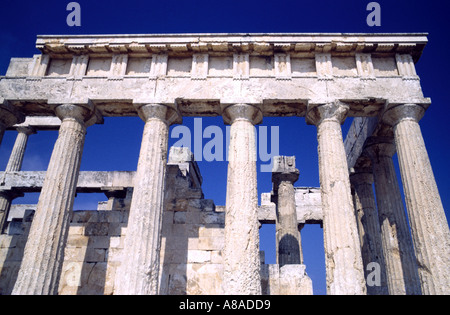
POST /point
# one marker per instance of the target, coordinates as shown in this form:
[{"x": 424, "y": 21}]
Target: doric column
[
  {"x": 344, "y": 269},
  {"x": 14, "y": 165},
  {"x": 9, "y": 116},
  {"x": 284, "y": 175},
  {"x": 18, "y": 151},
  {"x": 429, "y": 227},
  {"x": 139, "y": 269},
  {"x": 401, "y": 267},
  {"x": 241, "y": 250},
  {"x": 44, "y": 252},
  {"x": 369, "y": 227}
]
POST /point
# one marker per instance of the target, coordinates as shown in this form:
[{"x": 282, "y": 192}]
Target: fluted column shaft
[
  {"x": 369, "y": 228},
  {"x": 16, "y": 158},
  {"x": 14, "y": 165},
  {"x": 284, "y": 175},
  {"x": 241, "y": 250},
  {"x": 139, "y": 269},
  {"x": 429, "y": 227},
  {"x": 401, "y": 267},
  {"x": 44, "y": 252},
  {"x": 343, "y": 261}
]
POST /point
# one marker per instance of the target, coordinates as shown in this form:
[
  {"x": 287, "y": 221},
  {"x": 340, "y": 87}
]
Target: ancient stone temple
[{"x": 157, "y": 234}]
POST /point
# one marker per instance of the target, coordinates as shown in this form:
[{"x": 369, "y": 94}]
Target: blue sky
[{"x": 115, "y": 145}]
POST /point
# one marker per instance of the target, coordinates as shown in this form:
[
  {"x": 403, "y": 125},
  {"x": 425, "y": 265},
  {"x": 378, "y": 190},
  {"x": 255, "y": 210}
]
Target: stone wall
[{"x": 191, "y": 246}]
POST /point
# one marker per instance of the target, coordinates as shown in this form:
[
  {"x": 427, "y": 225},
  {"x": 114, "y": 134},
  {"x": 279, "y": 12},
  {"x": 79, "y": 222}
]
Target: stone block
[
  {"x": 75, "y": 240},
  {"x": 211, "y": 243},
  {"x": 75, "y": 254},
  {"x": 212, "y": 218},
  {"x": 7, "y": 241},
  {"x": 95, "y": 255},
  {"x": 99, "y": 242},
  {"x": 212, "y": 230},
  {"x": 216, "y": 257},
  {"x": 198, "y": 256},
  {"x": 96, "y": 229},
  {"x": 115, "y": 229},
  {"x": 76, "y": 230},
  {"x": 179, "y": 217},
  {"x": 114, "y": 255},
  {"x": 285, "y": 280},
  {"x": 116, "y": 242}
]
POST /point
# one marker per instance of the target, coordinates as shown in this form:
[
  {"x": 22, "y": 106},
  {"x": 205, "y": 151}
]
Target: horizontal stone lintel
[
  {"x": 309, "y": 209},
  {"x": 208, "y": 98},
  {"x": 88, "y": 182}
]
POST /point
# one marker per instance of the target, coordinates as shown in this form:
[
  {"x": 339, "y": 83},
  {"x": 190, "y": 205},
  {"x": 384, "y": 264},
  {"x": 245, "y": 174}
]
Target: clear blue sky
[{"x": 115, "y": 145}]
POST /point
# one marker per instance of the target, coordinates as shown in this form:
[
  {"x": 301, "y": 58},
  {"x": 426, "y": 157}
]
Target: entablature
[{"x": 200, "y": 73}]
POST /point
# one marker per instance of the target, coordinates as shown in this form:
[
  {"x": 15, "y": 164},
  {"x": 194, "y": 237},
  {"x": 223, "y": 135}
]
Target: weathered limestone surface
[
  {"x": 285, "y": 280},
  {"x": 430, "y": 231},
  {"x": 44, "y": 253},
  {"x": 368, "y": 227},
  {"x": 401, "y": 267},
  {"x": 139, "y": 271},
  {"x": 241, "y": 251},
  {"x": 87, "y": 181},
  {"x": 345, "y": 274}
]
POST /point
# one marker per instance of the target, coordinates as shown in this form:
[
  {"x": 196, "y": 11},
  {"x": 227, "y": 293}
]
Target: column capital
[
  {"x": 249, "y": 112},
  {"x": 9, "y": 115},
  {"x": 284, "y": 169},
  {"x": 336, "y": 111},
  {"x": 85, "y": 114},
  {"x": 396, "y": 113},
  {"x": 375, "y": 147},
  {"x": 163, "y": 112},
  {"x": 115, "y": 192},
  {"x": 26, "y": 130},
  {"x": 10, "y": 194}
]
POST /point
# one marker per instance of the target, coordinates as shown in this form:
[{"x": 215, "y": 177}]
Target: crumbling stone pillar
[
  {"x": 284, "y": 175},
  {"x": 369, "y": 227},
  {"x": 401, "y": 267},
  {"x": 429, "y": 227},
  {"x": 9, "y": 116},
  {"x": 44, "y": 252},
  {"x": 344, "y": 268},
  {"x": 241, "y": 250},
  {"x": 139, "y": 269}
]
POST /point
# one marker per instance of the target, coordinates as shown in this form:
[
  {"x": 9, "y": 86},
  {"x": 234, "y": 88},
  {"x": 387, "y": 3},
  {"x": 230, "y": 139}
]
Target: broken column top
[
  {"x": 284, "y": 169},
  {"x": 185, "y": 159},
  {"x": 180, "y": 155}
]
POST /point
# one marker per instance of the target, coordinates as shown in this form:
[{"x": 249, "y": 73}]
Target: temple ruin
[{"x": 157, "y": 234}]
